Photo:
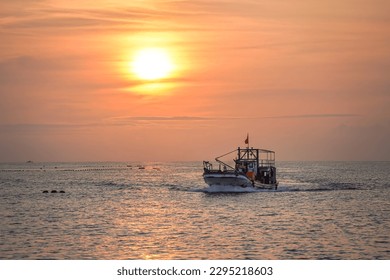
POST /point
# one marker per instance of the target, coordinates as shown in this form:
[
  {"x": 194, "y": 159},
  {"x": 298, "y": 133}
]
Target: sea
[{"x": 165, "y": 211}]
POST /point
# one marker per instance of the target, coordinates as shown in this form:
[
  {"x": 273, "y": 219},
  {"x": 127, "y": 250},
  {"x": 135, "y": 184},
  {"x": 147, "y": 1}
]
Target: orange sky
[{"x": 308, "y": 79}]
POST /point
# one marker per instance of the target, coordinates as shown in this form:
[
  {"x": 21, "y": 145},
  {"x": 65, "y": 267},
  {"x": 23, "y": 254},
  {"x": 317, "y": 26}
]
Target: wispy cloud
[
  {"x": 159, "y": 118},
  {"x": 78, "y": 20},
  {"x": 126, "y": 120},
  {"x": 39, "y": 128},
  {"x": 131, "y": 120},
  {"x": 314, "y": 116},
  {"x": 126, "y": 18}
]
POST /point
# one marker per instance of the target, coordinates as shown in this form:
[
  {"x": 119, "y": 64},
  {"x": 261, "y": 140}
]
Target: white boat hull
[
  {"x": 228, "y": 179},
  {"x": 236, "y": 180}
]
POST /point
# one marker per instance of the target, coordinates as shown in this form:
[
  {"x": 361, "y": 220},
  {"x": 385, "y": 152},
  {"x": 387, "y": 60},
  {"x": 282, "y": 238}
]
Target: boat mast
[{"x": 247, "y": 146}]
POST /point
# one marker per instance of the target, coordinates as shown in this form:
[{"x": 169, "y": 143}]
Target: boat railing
[
  {"x": 266, "y": 163},
  {"x": 256, "y": 157},
  {"x": 207, "y": 166},
  {"x": 266, "y": 158},
  {"x": 223, "y": 167}
]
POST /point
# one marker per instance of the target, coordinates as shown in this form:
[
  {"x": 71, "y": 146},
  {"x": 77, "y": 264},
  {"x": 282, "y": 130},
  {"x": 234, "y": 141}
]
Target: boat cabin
[{"x": 257, "y": 164}]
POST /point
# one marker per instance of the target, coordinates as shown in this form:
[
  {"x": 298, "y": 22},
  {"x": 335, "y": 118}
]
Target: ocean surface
[{"x": 321, "y": 210}]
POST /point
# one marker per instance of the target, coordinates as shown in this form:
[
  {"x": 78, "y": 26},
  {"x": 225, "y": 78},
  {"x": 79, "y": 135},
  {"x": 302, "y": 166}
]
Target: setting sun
[{"x": 152, "y": 64}]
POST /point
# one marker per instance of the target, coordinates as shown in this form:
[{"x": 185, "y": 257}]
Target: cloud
[
  {"x": 314, "y": 116},
  {"x": 184, "y": 15},
  {"x": 46, "y": 128},
  {"x": 131, "y": 120},
  {"x": 134, "y": 120},
  {"x": 56, "y": 22},
  {"x": 77, "y": 20},
  {"x": 130, "y": 18},
  {"x": 159, "y": 118},
  {"x": 115, "y": 121}
]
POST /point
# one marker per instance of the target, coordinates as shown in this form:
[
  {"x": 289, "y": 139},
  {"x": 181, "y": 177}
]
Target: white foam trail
[
  {"x": 233, "y": 189},
  {"x": 228, "y": 189}
]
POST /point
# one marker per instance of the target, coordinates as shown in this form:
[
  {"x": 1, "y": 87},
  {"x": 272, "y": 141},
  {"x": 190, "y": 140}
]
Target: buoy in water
[
  {"x": 53, "y": 191},
  {"x": 45, "y": 191}
]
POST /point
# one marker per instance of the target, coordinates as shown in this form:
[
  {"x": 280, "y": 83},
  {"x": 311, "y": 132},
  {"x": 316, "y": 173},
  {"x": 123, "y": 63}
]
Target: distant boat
[
  {"x": 253, "y": 168},
  {"x": 29, "y": 161}
]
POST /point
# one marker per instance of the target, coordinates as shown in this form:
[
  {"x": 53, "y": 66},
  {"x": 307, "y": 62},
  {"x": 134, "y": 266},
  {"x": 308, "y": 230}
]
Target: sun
[{"x": 152, "y": 64}]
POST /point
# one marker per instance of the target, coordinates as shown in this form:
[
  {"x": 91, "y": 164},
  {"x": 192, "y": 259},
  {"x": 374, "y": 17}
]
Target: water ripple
[{"x": 111, "y": 211}]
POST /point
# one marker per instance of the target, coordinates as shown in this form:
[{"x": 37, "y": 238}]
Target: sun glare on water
[{"x": 152, "y": 64}]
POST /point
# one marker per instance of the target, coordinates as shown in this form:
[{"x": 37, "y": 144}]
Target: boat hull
[
  {"x": 233, "y": 179},
  {"x": 227, "y": 179}
]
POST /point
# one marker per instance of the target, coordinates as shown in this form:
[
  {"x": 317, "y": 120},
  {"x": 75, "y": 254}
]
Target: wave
[
  {"x": 229, "y": 189},
  {"x": 281, "y": 188},
  {"x": 316, "y": 188},
  {"x": 115, "y": 185}
]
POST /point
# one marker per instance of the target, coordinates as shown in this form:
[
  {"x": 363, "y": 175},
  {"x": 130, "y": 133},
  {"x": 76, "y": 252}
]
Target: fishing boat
[{"x": 252, "y": 167}]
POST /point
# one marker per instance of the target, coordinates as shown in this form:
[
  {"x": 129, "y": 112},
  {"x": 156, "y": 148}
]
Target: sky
[{"x": 308, "y": 79}]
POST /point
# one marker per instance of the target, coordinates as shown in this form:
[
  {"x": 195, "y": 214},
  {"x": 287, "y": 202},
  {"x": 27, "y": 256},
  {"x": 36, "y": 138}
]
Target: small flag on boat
[{"x": 247, "y": 139}]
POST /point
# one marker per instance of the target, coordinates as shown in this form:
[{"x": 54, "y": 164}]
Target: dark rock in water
[
  {"x": 62, "y": 191},
  {"x": 45, "y": 191},
  {"x": 53, "y": 191}
]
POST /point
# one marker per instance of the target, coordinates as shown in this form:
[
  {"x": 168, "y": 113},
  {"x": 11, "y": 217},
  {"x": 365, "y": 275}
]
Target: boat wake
[
  {"x": 280, "y": 189},
  {"x": 231, "y": 189}
]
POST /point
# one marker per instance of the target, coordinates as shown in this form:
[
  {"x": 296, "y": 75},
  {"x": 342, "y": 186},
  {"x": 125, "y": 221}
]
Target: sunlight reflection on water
[{"x": 117, "y": 212}]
